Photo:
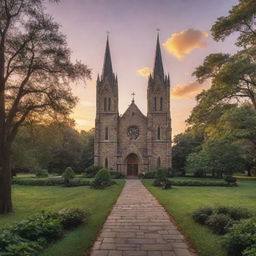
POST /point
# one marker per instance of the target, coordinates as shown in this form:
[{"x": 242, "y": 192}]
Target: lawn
[
  {"x": 31, "y": 199},
  {"x": 181, "y": 201}
]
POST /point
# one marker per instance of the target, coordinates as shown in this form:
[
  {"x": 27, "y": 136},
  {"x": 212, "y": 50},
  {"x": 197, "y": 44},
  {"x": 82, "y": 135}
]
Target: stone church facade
[{"x": 133, "y": 143}]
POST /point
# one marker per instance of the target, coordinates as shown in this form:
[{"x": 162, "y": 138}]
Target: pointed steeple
[
  {"x": 158, "y": 67},
  {"x": 107, "y": 66}
]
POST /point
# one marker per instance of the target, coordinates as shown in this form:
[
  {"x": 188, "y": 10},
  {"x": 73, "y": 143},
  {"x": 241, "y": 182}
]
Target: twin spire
[
  {"x": 158, "y": 71},
  {"x": 107, "y": 66}
]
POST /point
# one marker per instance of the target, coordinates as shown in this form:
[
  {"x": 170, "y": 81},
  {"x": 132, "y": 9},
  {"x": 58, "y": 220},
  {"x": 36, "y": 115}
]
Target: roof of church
[
  {"x": 158, "y": 66},
  {"x": 107, "y": 71},
  {"x": 134, "y": 109}
]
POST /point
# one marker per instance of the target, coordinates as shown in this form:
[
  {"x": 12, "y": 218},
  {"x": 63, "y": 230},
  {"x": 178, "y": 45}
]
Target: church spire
[
  {"x": 158, "y": 67},
  {"x": 107, "y": 66}
]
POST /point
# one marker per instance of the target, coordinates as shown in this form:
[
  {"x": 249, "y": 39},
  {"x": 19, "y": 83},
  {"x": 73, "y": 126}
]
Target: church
[{"x": 133, "y": 143}]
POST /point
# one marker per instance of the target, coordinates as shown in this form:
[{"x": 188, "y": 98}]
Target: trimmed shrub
[
  {"x": 201, "y": 214},
  {"x": 199, "y": 183},
  {"x": 42, "y": 173},
  {"x": 241, "y": 239},
  {"x": 160, "y": 178},
  {"x": 51, "y": 182},
  {"x": 117, "y": 175},
  {"x": 236, "y": 213},
  {"x": 68, "y": 175},
  {"x": 71, "y": 218},
  {"x": 231, "y": 180},
  {"x": 102, "y": 179},
  {"x": 219, "y": 223},
  {"x": 167, "y": 184},
  {"x": 91, "y": 171},
  {"x": 149, "y": 175}
]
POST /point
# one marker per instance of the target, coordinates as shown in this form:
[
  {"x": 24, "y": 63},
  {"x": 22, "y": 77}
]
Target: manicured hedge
[
  {"x": 51, "y": 182},
  {"x": 30, "y": 236},
  {"x": 199, "y": 183}
]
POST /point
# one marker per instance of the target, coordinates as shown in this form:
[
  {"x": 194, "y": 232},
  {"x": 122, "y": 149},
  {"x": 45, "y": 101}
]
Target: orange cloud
[
  {"x": 144, "y": 72},
  {"x": 187, "y": 90},
  {"x": 185, "y": 42}
]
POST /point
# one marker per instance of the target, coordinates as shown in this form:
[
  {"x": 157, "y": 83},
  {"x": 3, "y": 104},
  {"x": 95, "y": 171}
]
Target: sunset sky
[{"x": 184, "y": 35}]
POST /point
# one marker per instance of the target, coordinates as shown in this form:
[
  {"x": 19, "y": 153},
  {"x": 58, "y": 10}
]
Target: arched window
[
  {"x": 106, "y": 133},
  {"x": 106, "y": 163},
  {"x": 158, "y": 133},
  {"x": 161, "y": 104},
  {"x": 109, "y": 104},
  {"x": 105, "y": 104},
  {"x": 159, "y": 162},
  {"x": 154, "y": 103}
]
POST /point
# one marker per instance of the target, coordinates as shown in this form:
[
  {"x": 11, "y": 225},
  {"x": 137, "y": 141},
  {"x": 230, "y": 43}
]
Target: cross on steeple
[{"x": 133, "y": 94}]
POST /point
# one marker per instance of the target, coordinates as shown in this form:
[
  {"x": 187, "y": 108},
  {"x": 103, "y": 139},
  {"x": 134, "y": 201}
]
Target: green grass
[
  {"x": 180, "y": 202},
  {"x": 29, "y": 200}
]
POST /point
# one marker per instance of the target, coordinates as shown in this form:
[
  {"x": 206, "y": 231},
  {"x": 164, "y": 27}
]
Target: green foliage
[
  {"x": 184, "y": 144},
  {"x": 241, "y": 239},
  {"x": 220, "y": 219},
  {"x": 42, "y": 173},
  {"x": 28, "y": 237},
  {"x": 197, "y": 183},
  {"x": 219, "y": 223},
  {"x": 241, "y": 18},
  {"x": 72, "y": 217},
  {"x": 102, "y": 179},
  {"x": 149, "y": 175},
  {"x": 161, "y": 179},
  {"x": 88, "y": 148},
  {"x": 50, "y": 182},
  {"x": 201, "y": 214},
  {"x": 236, "y": 213},
  {"x": 117, "y": 175},
  {"x": 44, "y": 225},
  {"x": 68, "y": 175},
  {"x": 230, "y": 179},
  {"x": 218, "y": 158},
  {"x": 91, "y": 171}
]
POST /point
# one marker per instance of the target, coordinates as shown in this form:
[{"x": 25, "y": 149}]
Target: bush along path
[
  {"x": 30, "y": 236},
  {"x": 139, "y": 225}
]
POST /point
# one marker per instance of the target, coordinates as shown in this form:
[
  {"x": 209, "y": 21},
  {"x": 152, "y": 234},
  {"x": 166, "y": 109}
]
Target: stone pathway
[{"x": 138, "y": 225}]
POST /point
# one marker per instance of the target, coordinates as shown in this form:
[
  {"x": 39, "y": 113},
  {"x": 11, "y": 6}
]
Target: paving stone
[{"x": 139, "y": 226}]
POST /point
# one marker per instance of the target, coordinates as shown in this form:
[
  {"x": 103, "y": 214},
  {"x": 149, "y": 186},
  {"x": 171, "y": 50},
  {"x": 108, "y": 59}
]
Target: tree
[
  {"x": 238, "y": 125},
  {"x": 217, "y": 157},
  {"x": 88, "y": 149},
  {"x": 185, "y": 144},
  {"x": 35, "y": 73},
  {"x": 241, "y": 19},
  {"x": 233, "y": 77}
]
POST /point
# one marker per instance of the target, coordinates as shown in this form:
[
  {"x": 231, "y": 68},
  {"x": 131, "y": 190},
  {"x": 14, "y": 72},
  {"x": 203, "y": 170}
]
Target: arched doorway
[{"x": 132, "y": 165}]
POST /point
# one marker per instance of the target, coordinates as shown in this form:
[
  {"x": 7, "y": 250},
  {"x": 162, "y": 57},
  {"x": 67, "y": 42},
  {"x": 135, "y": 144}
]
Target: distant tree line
[
  {"x": 221, "y": 134},
  {"x": 52, "y": 146}
]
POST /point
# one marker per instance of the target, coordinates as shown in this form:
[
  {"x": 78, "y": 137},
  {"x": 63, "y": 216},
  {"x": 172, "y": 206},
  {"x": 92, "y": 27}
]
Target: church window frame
[
  {"x": 106, "y": 162},
  {"x": 105, "y": 104},
  {"x": 106, "y": 133},
  {"x": 161, "y": 104},
  {"x": 155, "y": 103},
  {"x": 159, "y": 162},
  {"x": 158, "y": 133},
  {"x": 109, "y": 104}
]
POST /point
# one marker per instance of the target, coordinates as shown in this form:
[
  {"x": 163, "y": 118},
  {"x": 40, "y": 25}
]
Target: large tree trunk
[{"x": 5, "y": 181}]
